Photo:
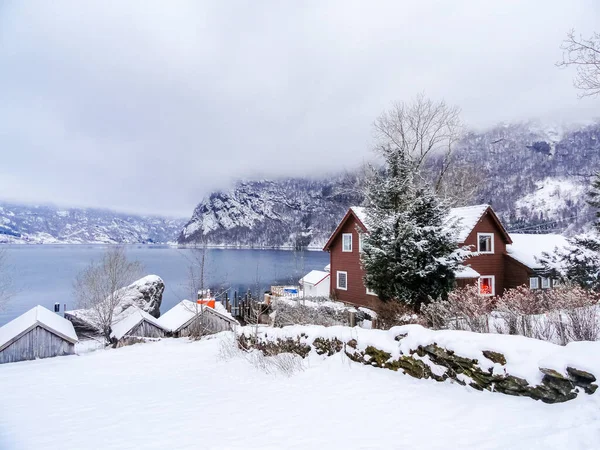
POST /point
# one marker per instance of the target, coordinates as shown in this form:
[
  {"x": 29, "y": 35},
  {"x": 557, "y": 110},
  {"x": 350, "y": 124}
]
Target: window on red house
[{"x": 486, "y": 285}]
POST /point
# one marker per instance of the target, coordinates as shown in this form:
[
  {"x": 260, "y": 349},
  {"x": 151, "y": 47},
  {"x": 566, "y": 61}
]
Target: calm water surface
[{"x": 43, "y": 274}]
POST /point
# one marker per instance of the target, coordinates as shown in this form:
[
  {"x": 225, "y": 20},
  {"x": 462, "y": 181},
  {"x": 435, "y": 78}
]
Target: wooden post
[{"x": 352, "y": 318}]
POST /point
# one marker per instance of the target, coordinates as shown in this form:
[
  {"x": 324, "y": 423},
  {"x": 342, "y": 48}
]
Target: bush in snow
[
  {"x": 391, "y": 314},
  {"x": 464, "y": 309},
  {"x": 316, "y": 311}
]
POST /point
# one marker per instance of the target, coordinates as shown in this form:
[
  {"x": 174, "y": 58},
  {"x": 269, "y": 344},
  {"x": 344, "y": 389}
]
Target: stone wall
[{"x": 439, "y": 364}]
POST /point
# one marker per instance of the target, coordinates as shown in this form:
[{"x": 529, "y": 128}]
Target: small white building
[
  {"x": 188, "y": 319},
  {"x": 38, "y": 333},
  {"x": 316, "y": 283}
]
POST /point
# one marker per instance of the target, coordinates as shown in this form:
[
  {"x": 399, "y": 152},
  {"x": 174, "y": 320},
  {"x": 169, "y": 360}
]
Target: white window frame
[
  {"x": 491, "y": 235},
  {"x": 343, "y": 239},
  {"x": 337, "y": 280},
  {"x": 545, "y": 283},
  {"x": 493, "y": 277},
  {"x": 533, "y": 285},
  {"x": 556, "y": 282},
  {"x": 371, "y": 292}
]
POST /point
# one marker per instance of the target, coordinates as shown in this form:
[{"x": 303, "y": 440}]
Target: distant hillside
[
  {"x": 534, "y": 176},
  {"x": 292, "y": 212},
  {"x": 20, "y": 224}
]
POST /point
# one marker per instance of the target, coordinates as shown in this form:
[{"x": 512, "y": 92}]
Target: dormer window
[
  {"x": 485, "y": 242},
  {"x": 347, "y": 242}
]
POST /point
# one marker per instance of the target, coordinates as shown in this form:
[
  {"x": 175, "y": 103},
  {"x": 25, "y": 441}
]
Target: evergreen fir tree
[{"x": 410, "y": 253}]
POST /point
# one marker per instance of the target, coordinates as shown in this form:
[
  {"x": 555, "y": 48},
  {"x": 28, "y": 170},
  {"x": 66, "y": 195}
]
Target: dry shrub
[
  {"x": 392, "y": 313},
  {"x": 558, "y": 315},
  {"x": 299, "y": 314},
  {"x": 464, "y": 309}
]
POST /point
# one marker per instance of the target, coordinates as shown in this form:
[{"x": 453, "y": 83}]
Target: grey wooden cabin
[
  {"x": 135, "y": 323},
  {"x": 38, "y": 333},
  {"x": 189, "y": 319}
]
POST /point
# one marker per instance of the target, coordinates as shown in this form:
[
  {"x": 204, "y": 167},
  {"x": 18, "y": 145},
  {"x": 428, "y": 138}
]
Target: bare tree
[
  {"x": 6, "y": 284},
  {"x": 584, "y": 54},
  {"x": 420, "y": 129},
  {"x": 98, "y": 287},
  {"x": 198, "y": 287},
  {"x": 460, "y": 185}
]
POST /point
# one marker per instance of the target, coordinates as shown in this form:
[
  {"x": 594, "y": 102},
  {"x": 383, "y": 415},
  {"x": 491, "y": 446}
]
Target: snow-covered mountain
[
  {"x": 292, "y": 212},
  {"x": 21, "y": 224},
  {"x": 535, "y": 176}
]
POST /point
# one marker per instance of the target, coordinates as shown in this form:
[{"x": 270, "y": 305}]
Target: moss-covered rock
[{"x": 495, "y": 357}]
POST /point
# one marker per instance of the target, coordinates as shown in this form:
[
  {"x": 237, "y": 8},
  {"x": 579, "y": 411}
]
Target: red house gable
[{"x": 477, "y": 226}]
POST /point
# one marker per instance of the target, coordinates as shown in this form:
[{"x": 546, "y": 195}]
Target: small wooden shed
[
  {"x": 188, "y": 319},
  {"x": 38, "y": 333},
  {"x": 136, "y": 323}
]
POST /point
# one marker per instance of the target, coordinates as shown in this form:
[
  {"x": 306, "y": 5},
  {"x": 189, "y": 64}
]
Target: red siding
[
  {"x": 507, "y": 272},
  {"x": 488, "y": 264},
  {"x": 349, "y": 262},
  {"x": 516, "y": 274}
]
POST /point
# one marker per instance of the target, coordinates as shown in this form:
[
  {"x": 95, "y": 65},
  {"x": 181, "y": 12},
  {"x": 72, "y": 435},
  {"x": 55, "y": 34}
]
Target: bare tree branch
[
  {"x": 584, "y": 54},
  {"x": 99, "y": 287},
  {"x": 420, "y": 129}
]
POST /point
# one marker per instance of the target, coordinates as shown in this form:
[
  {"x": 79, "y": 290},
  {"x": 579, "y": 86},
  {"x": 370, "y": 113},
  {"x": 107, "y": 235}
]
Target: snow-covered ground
[{"x": 185, "y": 395}]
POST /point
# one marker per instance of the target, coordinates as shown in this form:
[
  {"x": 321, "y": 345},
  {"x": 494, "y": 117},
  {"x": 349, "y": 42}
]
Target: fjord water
[{"x": 44, "y": 274}]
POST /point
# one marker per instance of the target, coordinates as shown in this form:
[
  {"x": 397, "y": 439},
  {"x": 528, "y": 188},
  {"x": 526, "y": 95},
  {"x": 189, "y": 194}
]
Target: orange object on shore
[{"x": 210, "y": 302}]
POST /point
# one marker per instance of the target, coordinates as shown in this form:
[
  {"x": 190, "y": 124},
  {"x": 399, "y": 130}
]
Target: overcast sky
[{"x": 147, "y": 106}]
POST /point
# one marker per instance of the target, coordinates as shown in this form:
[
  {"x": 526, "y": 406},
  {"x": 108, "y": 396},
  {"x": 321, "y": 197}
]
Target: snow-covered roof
[
  {"x": 463, "y": 272},
  {"x": 466, "y": 218},
  {"x": 327, "y": 268},
  {"x": 41, "y": 316},
  {"x": 361, "y": 213},
  {"x": 185, "y": 311},
  {"x": 527, "y": 248},
  {"x": 129, "y": 319},
  {"x": 314, "y": 277}
]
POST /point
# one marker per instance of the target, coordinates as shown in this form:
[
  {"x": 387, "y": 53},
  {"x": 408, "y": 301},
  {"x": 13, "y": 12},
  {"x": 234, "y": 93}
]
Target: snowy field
[{"x": 185, "y": 395}]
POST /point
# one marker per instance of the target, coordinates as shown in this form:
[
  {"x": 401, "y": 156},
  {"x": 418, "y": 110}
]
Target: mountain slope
[
  {"x": 291, "y": 212},
  {"x": 534, "y": 176},
  {"x": 20, "y": 224}
]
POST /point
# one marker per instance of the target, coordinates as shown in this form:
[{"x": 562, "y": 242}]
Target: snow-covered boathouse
[
  {"x": 136, "y": 323},
  {"x": 188, "y": 319},
  {"x": 38, "y": 333}
]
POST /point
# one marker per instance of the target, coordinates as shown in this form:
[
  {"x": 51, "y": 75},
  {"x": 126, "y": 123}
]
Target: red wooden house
[{"x": 497, "y": 262}]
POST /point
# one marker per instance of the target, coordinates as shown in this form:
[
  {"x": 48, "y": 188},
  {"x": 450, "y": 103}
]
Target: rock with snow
[{"x": 145, "y": 294}]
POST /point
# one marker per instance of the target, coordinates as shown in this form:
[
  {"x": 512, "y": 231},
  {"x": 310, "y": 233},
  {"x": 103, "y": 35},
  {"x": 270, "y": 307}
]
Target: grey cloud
[{"x": 146, "y": 106}]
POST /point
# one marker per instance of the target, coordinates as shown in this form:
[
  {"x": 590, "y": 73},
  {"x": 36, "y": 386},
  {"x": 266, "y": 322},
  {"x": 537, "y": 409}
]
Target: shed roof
[
  {"x": 466, "y": 272},
  {"x": 185, "y": 311},
  {"x": 37, "y": 316},
  {"x": 129, "y": 319},
  {"x": 314, "y": 277},
  {"x": 528, "y": 248}
]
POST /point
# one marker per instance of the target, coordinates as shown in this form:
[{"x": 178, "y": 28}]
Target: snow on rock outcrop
[
  {"x": 145, "y": 294},
  {"x": 289, "y": 212},
  {"x": 512, "y": 365},
  {"x": 554, "y": 197}
]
